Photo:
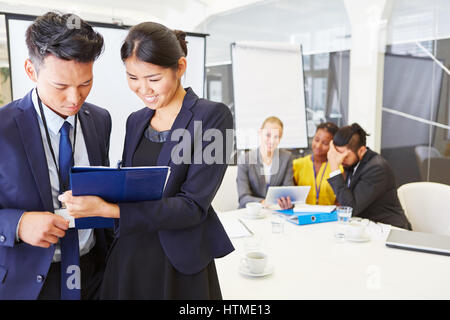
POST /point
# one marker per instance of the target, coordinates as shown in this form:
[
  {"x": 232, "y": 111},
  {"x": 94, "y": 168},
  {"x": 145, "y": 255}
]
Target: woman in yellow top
[{"x": 313, "y": 170}]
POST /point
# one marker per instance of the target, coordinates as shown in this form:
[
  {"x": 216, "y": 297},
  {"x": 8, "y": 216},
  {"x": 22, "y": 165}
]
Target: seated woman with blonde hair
[{"x": 265, "y": 166}]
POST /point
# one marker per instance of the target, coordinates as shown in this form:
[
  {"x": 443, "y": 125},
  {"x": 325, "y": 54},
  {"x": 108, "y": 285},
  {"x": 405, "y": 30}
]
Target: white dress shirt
[
  {"x": 267, "y": 172},
  {"x": 338, "y": 172},
  {"x": 54, "y": 124}
]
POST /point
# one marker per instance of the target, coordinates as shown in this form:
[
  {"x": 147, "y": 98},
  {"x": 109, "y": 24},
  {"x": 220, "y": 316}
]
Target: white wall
[{"x": 110, "y": 89}]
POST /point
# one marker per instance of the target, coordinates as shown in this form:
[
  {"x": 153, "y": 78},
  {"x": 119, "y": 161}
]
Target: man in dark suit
[
  {"x": 369, "y": 186},
  {"x": 60, "y": 63}
]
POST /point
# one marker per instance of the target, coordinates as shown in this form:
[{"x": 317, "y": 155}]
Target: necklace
[{"x": 315, "y": 178}]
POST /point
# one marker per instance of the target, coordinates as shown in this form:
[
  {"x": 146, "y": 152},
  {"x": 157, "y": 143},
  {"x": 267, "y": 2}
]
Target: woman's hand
[
  {"x": 89, "y": 206},
  {"x": 285, "y": 203}
]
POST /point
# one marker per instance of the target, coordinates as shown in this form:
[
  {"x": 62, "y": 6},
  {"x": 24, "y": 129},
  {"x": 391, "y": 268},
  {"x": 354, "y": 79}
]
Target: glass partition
[{"x": 415, "y": 123}]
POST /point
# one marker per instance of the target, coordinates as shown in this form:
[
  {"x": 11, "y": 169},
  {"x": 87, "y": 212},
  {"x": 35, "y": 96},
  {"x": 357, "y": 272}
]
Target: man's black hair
[
  {"x": 66, "y": 36},
  {"x": 353, "y": 137}
]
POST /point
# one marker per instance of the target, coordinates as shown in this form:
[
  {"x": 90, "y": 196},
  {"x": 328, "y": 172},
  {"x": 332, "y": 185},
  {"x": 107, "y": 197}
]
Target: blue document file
[
  {"x": 117, "y": 185},
  {"x": 302, "y": 218}
]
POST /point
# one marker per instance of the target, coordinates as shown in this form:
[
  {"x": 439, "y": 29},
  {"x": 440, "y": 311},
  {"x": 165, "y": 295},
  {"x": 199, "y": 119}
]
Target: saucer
[
  {"x": 364, "y": 238},
  {"x": 245, "y": 271},
  {"x": 260, "y": 215}
]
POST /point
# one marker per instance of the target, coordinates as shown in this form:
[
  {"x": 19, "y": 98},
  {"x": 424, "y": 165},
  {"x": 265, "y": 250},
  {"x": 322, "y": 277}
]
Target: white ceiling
[
  {"x": 182, "y": 14},
  {"x": 177, "y": 14},
  {"x": 319, "y": 25}
]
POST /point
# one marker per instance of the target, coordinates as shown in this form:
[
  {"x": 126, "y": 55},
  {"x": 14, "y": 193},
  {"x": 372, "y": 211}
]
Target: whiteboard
[
  {"x": 268, "y": 81},
  {"x": 110, "y": 88}
]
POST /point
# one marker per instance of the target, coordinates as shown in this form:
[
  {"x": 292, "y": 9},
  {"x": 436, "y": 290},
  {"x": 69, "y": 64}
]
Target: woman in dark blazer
[{"x": 165, "y": 249}]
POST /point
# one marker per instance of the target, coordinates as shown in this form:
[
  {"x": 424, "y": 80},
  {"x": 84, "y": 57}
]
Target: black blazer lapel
[
  {"x": 181, "y": 122},
  {"x": 357, "y": 175},
  {"x": 30, "y": 133},
  {"x": 90, "y": 136},
  {"x": 362, "y": 166},
  {"x": 136, "y": 134}
]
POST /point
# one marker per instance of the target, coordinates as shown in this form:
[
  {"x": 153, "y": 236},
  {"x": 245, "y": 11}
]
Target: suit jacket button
[
  {"x": 39, "y": 278},
  {"x": 2, "y": 238}
]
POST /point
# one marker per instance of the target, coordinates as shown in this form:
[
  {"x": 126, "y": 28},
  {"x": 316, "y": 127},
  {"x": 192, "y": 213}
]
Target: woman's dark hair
[
  {"x": 66, "y": 36},
  {"x": 156, "y": 44},
  {"x": 353, "y": 136},
  {"x": 330, "y": 127}
]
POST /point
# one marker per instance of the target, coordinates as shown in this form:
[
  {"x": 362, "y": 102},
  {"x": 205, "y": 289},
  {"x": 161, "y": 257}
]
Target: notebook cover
[{"x": 116, "y": 185}]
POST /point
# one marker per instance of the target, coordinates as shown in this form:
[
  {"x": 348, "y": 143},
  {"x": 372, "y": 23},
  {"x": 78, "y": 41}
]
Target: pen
[{"x": 245, "y": 226}]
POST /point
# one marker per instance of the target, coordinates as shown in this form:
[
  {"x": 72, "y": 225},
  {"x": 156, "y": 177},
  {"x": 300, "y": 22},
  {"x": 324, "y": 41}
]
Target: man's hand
[
  {"x": 335, "y": 158},
  {"x": 42, "y": 229}
]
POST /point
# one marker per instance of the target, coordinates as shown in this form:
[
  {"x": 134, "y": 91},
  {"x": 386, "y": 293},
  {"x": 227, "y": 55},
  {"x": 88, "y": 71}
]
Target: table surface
[{"x": 308, "y": 263}]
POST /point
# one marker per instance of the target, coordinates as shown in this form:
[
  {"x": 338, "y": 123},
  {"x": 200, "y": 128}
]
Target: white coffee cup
[
  {"x": 355, "y": 230},
  {"x": 255, "y": 261},
  {"x": 253, "y": 208}
]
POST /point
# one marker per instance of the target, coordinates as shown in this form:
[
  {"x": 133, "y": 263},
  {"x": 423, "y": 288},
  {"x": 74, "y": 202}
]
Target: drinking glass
[
  {"x": 277, "y": 222},
  {"x": 344, "y": 214}
]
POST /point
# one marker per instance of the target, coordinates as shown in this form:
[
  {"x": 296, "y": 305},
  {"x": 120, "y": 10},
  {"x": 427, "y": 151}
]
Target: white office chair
[
  {"x": 427, "y": 206},
  {"x": 227, "y": 196}
]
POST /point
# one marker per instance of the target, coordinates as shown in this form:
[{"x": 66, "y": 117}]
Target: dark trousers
[{"x": 92, "y": 268}]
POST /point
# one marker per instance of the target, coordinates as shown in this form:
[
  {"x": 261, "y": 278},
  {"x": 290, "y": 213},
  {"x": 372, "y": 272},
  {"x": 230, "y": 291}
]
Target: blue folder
[
  {"x": 116, "y": 185},
  {"x": 302, "y": 218}
]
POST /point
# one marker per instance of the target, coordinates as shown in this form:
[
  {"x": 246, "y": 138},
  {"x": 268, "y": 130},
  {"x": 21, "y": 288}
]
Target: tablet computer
[{"x": 297, "y": 194}]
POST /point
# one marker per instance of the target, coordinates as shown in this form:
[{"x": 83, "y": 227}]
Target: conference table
[{"x": 309, "y": 263}]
